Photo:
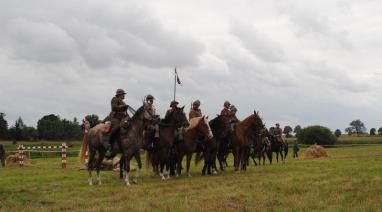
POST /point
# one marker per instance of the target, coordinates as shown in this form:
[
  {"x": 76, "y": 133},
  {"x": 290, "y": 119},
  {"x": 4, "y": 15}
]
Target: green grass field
[{"x": 349, "y": 180}]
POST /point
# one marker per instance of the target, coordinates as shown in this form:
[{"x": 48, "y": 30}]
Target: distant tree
[
  {"x": 3, "y": 127},
  {"x": 17, "y": 132},
  {"x": 316, "y": 134},
  {"x": 72, "y": 129},
  {"x": 30, "y": 133},
  {"x": 287, "y": 130},
  {"x": 358, "y": 126},
  {"x": 380, "y": 131},
  {"x": 297, "y": 130},
  {"x": 373, "y": 131},
  {"x": 50, "y": 127},
  {"x": 337, "y": 133},
  {"x": 93, "y": 120},
  {"x": 349, "y": 130}
]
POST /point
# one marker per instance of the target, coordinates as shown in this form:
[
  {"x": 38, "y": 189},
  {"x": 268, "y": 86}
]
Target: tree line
[
  {"x": 49, "y": 127},
  {"x": 52, "y": 127}
]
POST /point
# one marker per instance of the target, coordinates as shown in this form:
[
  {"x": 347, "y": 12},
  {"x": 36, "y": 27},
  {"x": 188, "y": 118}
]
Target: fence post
[
  {"x": 63, "y": 155},
  {"x": 21, "y": 155}
]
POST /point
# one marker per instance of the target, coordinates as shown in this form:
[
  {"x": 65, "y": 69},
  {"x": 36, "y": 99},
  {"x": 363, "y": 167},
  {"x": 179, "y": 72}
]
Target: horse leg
[
  {"x": 91, "y": 165},
  {"x": 277, "y": 156},
  {"x": 179, "y": 167},
  {"x": 101, "y": 155},
  {"x": 137, "y": 156},
  {"x": 127, "y": 169},
  {"x": 189, "y": 157},
  {"x": 121, "y": 167}
]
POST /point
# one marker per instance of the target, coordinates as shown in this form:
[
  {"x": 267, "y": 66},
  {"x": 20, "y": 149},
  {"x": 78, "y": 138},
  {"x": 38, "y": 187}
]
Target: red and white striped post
[
  {"x": 21, "y": 155},
  {"x": 63, "y": 155}
]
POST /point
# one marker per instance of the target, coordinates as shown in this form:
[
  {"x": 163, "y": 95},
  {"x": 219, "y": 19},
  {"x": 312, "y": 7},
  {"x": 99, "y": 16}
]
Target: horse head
[
  {"x": 177, "y": 117},
  {"x": 201, "y": 125}
]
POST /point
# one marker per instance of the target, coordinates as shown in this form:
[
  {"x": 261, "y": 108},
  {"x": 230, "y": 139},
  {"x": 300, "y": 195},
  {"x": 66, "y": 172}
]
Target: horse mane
[
  {"x": 138, "y": 113},
  {"x": 195, "y": 121}
]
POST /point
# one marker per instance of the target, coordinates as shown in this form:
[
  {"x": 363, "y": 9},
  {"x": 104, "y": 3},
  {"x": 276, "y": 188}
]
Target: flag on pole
[{"x": 177, "y": 77}]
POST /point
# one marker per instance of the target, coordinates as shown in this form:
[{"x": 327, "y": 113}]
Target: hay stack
[{"x": 315, "y": 151}]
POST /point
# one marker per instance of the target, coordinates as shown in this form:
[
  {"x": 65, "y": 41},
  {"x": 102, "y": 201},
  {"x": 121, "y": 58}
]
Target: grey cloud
[{"x": 258, "y": 43}]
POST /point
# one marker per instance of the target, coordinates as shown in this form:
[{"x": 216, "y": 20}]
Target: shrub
[{"x": 316, "y": 135}]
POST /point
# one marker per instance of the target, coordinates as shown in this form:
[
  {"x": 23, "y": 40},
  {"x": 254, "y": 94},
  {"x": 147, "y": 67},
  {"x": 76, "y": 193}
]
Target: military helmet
[
  {"x": 277, "y": 124},
  {"x": 197, "y": 102},
  {"x": 226, "y": 103},
  {"x": 149, "y": 97},
  {"x": 173, "y": 103},
  {"x": 233, "y": 108},
  {"x": 120, "y": 92}
]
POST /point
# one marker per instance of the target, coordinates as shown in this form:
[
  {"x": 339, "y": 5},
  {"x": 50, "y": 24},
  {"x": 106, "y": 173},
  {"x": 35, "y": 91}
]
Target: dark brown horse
[
  {"x": 94, "y": 141},
  {"x": 242, "y": 139},
  {"x": 261, "y": 147},
  {"x": 221, "y": 127},
  {"x": 277, "y": 147},
  {"x": 199, "y": 128},
  {"x": 161, "y": 156}
]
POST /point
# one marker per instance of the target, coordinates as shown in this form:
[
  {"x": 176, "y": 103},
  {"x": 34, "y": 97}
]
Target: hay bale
[
  {"x": 315, "y": 151},
  {"x": 14, "y": 160}
]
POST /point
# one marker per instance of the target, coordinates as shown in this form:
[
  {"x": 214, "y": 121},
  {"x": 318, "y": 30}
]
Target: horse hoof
[
  {"x": 99, "y": 183},
  {"x": 163, "y": 178},
  {"x": 189, "y": 175},
  {"x": 135, "y": 181},
  {"x": 127, "y": 184}
]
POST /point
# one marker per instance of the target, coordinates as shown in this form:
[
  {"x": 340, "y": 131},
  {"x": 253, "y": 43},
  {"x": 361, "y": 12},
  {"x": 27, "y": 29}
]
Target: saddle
[{"x": 105, "y": 129}]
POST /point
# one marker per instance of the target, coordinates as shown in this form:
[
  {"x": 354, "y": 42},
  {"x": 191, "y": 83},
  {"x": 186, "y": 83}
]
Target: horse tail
[
  {"x": 84, "y": 148},
  {"x": 198, "y": 157},
  {"x": 148, "y": 158}
]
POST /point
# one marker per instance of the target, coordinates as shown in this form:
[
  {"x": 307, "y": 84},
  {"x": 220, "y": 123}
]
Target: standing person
[
  {"x": 118, "y": 112},
  {"x": 226, "y": 111},
  {"x": 2, "y": 155},
  {"x": 295, "y": 150},
  {"x": 195, "y": 111}
]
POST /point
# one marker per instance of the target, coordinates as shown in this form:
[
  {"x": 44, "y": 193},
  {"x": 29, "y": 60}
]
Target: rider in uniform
[
  {"x": 278, "y": 132},
  {"x": 173, "y": 106},
  {"x": 118, "y": 112},
  {"x": 195, "y": 111},
  {"x": 233, "y": 119},
  {"x": 149, "y": 106},
  {"x": 226, "y": 111}
]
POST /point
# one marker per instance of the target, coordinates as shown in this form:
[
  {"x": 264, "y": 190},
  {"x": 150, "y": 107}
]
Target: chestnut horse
[
  {"x": 261, "y": 147},
  {"x": 199, "y": 128},
  {"x": 242, "y": 138}
]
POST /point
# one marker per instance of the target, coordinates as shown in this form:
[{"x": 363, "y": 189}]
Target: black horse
[{"x": 276, "y": 146}]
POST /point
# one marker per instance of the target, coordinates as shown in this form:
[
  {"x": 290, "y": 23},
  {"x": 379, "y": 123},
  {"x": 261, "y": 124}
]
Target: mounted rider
[
  {"x": 233, "y": 119},
  {"x": 226, "y": 111},
  {"x": 195, "y": 111},
  {"x": 118, "y": 112},
  {"x": 278, "y": 132},
  {"x": 179, "y": 130},
  {"x": 149, "y": 107}
]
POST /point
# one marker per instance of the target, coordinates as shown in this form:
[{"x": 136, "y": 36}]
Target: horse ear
[
  {"x": 207, "y": 117},
  {"x": 182, "y": 107}
]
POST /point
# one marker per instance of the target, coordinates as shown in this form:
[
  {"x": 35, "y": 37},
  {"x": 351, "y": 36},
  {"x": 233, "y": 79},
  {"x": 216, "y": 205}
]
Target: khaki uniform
[
  {"x": 225, "y": 112},
  {"x": 195, "y": 113},
  {"x": 152, "y": 111},
  {"x": 278, "y": 132},
  {"x": 118, "y": 112}
]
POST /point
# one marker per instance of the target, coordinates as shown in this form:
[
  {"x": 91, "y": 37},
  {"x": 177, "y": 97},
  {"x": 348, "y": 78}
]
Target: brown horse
[
  {"x": 160, "y": 157},
  {"x": 95, "y": 138},
  {"x": 242, "y": 138},
  {"x": 198, "y": 128}
]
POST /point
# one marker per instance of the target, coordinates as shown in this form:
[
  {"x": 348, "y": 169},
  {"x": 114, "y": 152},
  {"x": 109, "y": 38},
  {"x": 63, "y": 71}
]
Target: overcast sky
[{"x": 297, "y": 62}]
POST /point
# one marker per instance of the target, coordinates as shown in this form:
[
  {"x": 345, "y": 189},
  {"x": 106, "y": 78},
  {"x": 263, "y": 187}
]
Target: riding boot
[{"x": 110, "y": 152}]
